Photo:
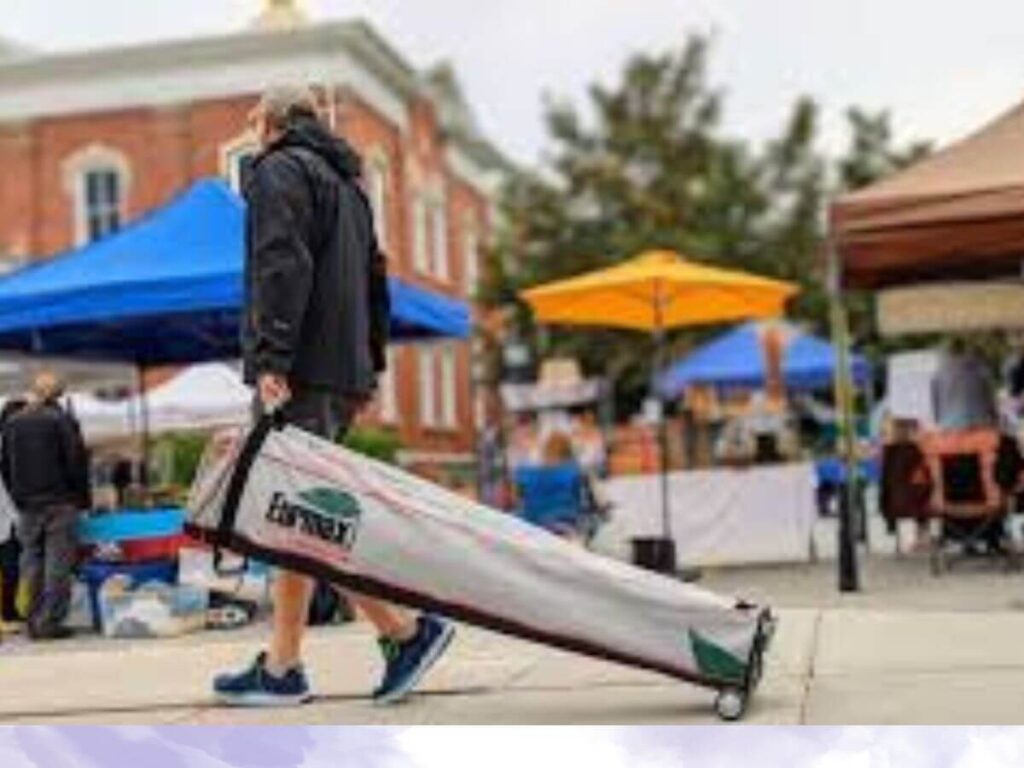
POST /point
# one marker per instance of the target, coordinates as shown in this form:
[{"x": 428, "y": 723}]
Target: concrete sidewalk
[{"x": 828, "y": 666}]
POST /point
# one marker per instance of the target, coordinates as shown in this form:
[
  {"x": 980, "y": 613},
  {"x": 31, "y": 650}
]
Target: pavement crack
[{"x": 811, "y": 670}]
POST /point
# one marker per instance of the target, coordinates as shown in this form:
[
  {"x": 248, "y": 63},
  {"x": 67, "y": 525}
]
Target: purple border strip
[{"x": 387, "y": 747}]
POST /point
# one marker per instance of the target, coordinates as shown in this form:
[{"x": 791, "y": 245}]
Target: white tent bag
[{"x": 299, "y": 502}]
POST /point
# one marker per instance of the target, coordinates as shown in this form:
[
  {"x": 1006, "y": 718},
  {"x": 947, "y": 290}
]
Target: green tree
[
  {"x": 870, "y": 155},
  {"x": 648, "y": 165}
]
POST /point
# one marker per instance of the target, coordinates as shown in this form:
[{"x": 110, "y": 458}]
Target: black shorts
[{"x": 324, "y": 414}]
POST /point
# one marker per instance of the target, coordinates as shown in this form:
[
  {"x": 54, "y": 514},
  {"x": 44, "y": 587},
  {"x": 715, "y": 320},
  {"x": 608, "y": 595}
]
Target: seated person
[
  {"x": 906, "y": 481},
  {"x": 559, "y": 495}
]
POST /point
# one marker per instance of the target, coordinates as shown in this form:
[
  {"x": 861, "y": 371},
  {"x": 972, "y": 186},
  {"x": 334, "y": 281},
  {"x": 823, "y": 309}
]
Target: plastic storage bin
[{"x": 94, "y": 575}]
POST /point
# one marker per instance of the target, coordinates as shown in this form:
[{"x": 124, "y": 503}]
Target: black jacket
[
  {"x": 313, "y": 268},
  {"x": 44, "y": 460}
]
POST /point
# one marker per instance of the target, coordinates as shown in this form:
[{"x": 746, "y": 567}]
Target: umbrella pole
[
  {"x": 669, "y": 562},
  {"x": 849, "y": 579}
]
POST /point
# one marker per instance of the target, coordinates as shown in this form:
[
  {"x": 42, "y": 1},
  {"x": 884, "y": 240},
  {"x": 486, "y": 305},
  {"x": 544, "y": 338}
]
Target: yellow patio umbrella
[{"x": 655, "y": 292}]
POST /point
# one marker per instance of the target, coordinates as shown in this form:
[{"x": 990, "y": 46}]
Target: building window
[
  {"x": 237, "y": 158},
  {"x": 377, "y": 182},
  {"x": 428, "y": 388},
  {"x": 420, "y": 244},
  {"x": 388, "y": 390},
  {"x": 101, "y": 199},
  {"x": 471, "y": 256},
  {"x": 449, "y": 388},
  {"x": 98, "y": 180},
  {"x": 10, "y": 262},
  {"x": 439, "y": 231}
]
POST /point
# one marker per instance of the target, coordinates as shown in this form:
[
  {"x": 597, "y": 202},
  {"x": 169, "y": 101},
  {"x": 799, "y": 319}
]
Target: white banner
[{"x": 723, "y": 516}]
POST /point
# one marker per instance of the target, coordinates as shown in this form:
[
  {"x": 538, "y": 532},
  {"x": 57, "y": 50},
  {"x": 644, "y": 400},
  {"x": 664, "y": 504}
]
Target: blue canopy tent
[
  {"x": 735, "y": 360},
  {"x": 167, "y": 289}
]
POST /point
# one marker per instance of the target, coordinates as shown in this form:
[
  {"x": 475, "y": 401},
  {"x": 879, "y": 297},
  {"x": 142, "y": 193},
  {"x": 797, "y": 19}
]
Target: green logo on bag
[
  {"x": 715, "y": 661},
  {"x": 326, "y": 513},
  {"x": 332, "y": 502}
]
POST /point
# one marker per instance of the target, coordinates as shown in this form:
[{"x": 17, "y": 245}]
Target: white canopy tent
[{"x": 200, "y": 398}]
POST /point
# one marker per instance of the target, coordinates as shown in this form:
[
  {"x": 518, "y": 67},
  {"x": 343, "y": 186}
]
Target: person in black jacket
[
  {"x": 313, "y": 343},
  {"x": 46, "y": 469},
  {"x": 10, "y": 548}
]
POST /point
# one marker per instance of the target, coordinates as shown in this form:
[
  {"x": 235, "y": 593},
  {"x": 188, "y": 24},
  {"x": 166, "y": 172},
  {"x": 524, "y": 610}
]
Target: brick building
[{"x": 92, "y": 140}]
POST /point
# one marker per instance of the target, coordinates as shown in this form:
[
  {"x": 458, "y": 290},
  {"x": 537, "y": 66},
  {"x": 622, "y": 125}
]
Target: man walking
[
  {"x": 46, "y": 470},
  {"x": 312, "y": 271}
]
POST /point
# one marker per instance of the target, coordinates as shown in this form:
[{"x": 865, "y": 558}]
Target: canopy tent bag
[{"x": 297, "y": 501}]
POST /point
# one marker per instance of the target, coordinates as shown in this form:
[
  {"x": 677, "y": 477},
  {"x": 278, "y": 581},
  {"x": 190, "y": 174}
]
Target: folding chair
[{"x": 552, "y": 497}]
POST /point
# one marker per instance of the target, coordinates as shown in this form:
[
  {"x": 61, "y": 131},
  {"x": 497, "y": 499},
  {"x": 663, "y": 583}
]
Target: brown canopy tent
[{"x": 957, "y": 214}]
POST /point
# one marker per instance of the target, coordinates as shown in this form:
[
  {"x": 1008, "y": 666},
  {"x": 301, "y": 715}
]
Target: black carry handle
[{"x": 236, "y": 488}]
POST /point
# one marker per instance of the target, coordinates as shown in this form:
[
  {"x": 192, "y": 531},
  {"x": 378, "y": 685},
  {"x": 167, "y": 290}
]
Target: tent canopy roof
[
  {"x": 957, "y": 213},
  {"x": 167, "y": 289},
  {"x": 735, "y": 360}
]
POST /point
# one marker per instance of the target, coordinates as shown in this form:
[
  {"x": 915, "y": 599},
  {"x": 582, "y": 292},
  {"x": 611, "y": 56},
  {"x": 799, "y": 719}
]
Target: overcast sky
[
  {"x": 437, "y": 747},
  {"x": 942, "y": 67}
]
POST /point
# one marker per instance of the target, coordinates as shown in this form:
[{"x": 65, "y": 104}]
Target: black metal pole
[
  {"x": 849, "y": 577},
  {"x": 140, "y": 373},
  {"x": 666, "y": 506}
]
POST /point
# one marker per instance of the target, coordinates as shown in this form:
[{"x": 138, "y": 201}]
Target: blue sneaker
[
  {"x": 408, "y": 662},
  {"x": 255, "y": 687}
]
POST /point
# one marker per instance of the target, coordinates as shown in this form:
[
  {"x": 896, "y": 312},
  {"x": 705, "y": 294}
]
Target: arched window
[
  {"x": 98, "y": 179},
  {"x": 430, "y": 254}
]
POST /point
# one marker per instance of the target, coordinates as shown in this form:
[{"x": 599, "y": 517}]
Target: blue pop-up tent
[
  {"x": 167, "y": 290},
  {"x": 735, "y": 360}
]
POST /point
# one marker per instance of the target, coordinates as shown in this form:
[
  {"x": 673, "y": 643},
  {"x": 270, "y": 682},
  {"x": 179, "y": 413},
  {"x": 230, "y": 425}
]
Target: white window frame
[
  {"x": 471, "y": 243},
  {"x": 388, "y": 389},
  {"x": 439, "y": 245},
  {"x": 449, "y": 387},
  {"x": 11, "y": 263},
  {"x": 378, "y": 190},
  {"x": 95, "y": 158},
  {"x": 427, "y": 387},
  {"x": 421, "y": 260},
  {"x": 231, "y": 155}
]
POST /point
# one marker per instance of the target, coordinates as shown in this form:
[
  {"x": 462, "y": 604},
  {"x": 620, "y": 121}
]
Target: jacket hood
[{"x": 311, "y": 134}]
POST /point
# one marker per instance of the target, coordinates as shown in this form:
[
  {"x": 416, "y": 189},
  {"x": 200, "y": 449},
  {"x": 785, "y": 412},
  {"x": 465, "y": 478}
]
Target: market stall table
[{"x": 725, "y": 516}]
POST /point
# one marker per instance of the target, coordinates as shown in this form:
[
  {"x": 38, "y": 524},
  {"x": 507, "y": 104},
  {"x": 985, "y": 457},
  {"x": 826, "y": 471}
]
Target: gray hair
[{"x": 284, "y": 103}]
